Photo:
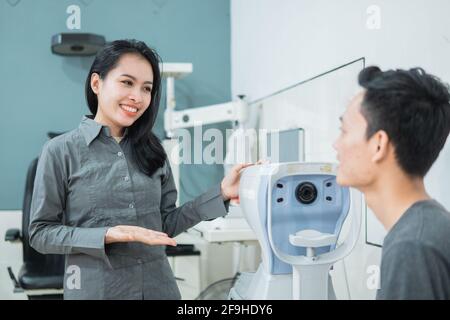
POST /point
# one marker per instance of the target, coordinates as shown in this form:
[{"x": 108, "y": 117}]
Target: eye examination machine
[
  {"x": 297, "y": 211},
  {"x": 303, "y": 221}
]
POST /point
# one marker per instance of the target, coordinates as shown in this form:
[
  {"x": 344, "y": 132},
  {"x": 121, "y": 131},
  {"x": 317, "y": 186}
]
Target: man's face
[{"x": 356, "y": 168}]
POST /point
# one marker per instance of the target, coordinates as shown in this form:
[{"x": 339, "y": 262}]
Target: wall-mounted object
[{"x": 77, "y": 44}]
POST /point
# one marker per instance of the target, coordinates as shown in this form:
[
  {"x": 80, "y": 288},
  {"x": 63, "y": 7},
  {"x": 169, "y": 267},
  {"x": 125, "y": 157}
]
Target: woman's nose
[{"x": 136, "y": 96}]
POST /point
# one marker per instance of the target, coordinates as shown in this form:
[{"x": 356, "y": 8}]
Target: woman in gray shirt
[{"x": 104, "y": 194}]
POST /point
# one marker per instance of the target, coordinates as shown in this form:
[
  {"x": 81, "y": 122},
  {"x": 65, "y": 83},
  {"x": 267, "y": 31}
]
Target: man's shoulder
[
  {"x": 416, "y": 255},
  {"x": 425, "y": 225}
]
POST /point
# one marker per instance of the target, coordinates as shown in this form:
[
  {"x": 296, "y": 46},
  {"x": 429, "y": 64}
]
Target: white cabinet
[{"x": 186, "y": 269}]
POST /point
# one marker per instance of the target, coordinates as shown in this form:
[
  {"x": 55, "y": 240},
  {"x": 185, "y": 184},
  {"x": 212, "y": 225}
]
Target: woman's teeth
[{"x": 129, "y": 109}]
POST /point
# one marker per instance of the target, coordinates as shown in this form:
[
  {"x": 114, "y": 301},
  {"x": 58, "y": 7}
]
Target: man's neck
[{"x": 392, "y": 194}]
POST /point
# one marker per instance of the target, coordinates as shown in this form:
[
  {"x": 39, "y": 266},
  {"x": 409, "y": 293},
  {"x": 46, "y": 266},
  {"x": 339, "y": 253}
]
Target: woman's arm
[
  {"x": 47, "y": 232},
  {"x": 209, "y": 205}
]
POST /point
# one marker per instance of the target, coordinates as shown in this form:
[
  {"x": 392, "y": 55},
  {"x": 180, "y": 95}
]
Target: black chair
[{"x": 41, "y": 276}]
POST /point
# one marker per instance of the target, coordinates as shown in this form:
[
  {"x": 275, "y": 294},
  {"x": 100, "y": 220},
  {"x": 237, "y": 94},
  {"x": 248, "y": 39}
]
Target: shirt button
[
  {"x": 126, "y": 178},
  {"x": 119, "y": 153},
  {"x": 131, "y": 206}
]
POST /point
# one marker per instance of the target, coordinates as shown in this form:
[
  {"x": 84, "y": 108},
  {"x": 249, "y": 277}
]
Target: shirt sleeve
[
  {"x": 411, "y": 270},
  {"x": 207, "y": 206},
  {"x": 48, "y": 234}
]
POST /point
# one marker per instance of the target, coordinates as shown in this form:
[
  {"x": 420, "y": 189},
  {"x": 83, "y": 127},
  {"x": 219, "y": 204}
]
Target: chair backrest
[
  {"x": 29, "y": 254},
  {"x": 51, "y": 264}
]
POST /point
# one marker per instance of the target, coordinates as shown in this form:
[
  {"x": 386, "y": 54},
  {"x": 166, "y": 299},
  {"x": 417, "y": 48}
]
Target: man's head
[{"x": 398, "y": 122}]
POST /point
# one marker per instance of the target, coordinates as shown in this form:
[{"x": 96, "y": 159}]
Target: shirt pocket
[
  {"x": 108, "y": 181},
  {"x": 79, "y": 200}
]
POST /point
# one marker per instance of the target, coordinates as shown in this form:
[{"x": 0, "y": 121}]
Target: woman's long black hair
[{"x": 147, "y": 150}]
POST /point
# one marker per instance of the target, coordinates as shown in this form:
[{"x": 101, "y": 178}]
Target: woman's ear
[
  {"x": 380, "y": 146},
  {"x": 95, "y": 82}
]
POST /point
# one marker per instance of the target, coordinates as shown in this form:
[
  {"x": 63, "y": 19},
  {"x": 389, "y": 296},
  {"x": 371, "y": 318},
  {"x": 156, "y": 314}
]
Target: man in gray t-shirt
[
  {"x": 391, "y": 134},
  {"x": 416, "y": 255}
]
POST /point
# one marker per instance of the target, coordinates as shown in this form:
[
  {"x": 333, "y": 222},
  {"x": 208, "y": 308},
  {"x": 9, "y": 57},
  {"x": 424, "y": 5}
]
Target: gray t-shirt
[{"x": 415, "y": 262}]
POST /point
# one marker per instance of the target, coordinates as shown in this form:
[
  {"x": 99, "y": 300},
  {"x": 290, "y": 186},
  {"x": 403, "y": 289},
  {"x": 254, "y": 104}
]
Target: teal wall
[{"x": 41, "y": 92}]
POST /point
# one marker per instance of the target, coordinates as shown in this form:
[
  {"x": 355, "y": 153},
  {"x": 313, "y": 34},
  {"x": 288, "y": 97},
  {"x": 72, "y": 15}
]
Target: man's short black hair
[{"x": 413, "y": 108}]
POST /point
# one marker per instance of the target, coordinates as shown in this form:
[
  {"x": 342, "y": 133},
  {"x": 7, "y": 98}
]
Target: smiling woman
[
  {"x": 123, "y": 89},
  {"x": 104, "y": 194}
]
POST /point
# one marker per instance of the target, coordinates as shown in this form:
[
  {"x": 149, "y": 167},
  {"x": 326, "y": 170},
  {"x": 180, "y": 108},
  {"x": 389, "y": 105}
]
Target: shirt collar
[{"x": 91, "y": 129}]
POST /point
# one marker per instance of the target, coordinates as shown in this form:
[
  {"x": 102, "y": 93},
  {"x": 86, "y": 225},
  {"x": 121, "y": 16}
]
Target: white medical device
[
  {"x": 234, "y": 226},
  {"x": 297, "y": 211},
  {"x": 231, "y": 111}
]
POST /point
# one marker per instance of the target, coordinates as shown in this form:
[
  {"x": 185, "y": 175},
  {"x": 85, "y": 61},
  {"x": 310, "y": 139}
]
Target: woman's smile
[{"x": 129, "y": 110}]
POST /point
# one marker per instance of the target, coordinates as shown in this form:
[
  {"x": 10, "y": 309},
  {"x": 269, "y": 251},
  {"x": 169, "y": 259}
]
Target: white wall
[{"x": 278, "y": 43}]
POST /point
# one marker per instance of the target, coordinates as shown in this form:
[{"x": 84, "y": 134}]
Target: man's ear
[
  {"x": 95, "y": 82},
  {"x": 380, "y": 145}
]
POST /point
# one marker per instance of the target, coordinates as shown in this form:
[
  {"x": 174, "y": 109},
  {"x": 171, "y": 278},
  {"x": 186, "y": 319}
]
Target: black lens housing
[{"x": 306, "y": 192}]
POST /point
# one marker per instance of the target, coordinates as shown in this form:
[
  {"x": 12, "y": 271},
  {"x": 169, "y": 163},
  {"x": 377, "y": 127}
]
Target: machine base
[{"x": 261, "y": 285}]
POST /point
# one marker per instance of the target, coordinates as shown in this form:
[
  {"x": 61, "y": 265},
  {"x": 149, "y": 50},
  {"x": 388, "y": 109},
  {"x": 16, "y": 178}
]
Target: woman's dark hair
[
  {"x": 413, "y": 107},
  {"x": 147, "y": 150}
]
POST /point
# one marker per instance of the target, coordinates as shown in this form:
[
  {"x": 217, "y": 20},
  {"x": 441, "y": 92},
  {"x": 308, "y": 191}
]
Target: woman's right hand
[{"x": 138, "y": 234}]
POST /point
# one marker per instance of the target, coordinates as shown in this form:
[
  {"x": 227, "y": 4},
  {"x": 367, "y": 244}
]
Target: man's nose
[{"x": 335, "y": 145}]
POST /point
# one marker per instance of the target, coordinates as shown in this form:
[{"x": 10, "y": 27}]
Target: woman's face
[{"x": 125, "y": 93}]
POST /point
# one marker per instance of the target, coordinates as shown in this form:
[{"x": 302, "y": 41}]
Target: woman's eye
[
  {"x": 148, "y": 89},
  {"x": 127, "y": 82}
]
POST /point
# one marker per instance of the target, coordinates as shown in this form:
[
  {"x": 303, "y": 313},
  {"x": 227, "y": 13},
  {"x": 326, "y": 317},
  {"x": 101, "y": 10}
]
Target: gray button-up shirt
[{"x": 85, "y": 183}]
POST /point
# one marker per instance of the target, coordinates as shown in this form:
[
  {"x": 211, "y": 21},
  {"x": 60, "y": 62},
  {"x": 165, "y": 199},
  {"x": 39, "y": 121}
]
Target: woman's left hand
[{"x": 230, "y": 184}]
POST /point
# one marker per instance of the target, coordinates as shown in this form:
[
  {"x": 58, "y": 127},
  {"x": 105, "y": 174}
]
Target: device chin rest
[{"x": 312, "y": 239}]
